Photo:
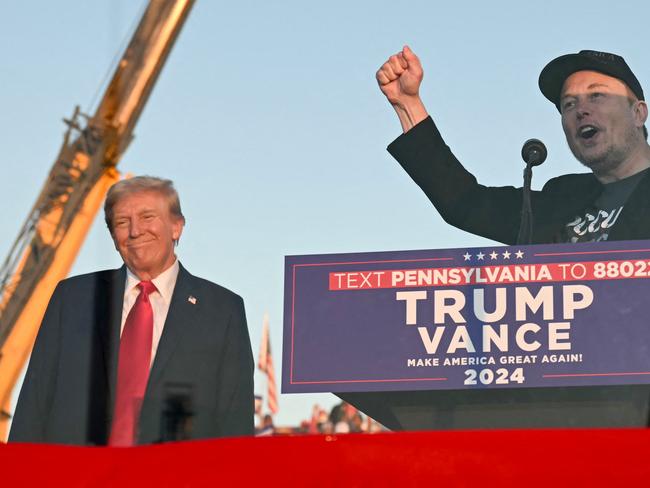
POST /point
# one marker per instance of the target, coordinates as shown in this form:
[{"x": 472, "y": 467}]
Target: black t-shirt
[{"x": 596, "y": 222}]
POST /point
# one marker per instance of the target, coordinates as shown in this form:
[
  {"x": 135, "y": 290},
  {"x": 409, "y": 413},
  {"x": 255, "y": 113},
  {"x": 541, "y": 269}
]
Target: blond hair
[{"x": 140, "y": 184}]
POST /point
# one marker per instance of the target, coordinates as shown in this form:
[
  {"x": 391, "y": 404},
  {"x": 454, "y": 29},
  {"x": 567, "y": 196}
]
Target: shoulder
[
  {"x": 95, "y": 276},
  {"x": 571, "y": 183},
  {"x": 209, "y": 289},
  {"x": 90, "y": 282}
]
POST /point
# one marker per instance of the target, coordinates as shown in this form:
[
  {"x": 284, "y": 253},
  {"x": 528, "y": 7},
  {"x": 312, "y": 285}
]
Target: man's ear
[
  {"x": 177, "y": 229},
  {"x": 640, "y": 112}
]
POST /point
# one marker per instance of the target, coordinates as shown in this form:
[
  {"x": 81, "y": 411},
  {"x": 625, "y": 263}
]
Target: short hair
[{"x": 140, "y": 184}]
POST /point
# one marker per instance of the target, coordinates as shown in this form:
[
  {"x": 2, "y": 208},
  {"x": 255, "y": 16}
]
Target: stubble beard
[{"x": 610, "y": 158}]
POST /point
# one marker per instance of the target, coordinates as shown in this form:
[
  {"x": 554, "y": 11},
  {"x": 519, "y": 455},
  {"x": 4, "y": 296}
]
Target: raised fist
[{"x": 399, "y": 78}]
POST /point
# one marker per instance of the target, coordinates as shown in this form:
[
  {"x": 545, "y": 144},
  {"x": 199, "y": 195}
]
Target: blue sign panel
[{"x": 493, "y": 317}]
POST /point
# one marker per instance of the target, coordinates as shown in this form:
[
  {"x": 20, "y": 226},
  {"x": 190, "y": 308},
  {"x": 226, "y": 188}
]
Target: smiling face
[
  {"x": 144, "y": 231},
  {"x": 602, "y": 120}
]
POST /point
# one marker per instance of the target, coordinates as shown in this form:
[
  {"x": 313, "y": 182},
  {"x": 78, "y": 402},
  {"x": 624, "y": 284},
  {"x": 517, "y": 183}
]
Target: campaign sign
[{"x": 490, "y": 317}]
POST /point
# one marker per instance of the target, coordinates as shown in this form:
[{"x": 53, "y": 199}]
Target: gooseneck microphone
[{"x": 534, "y": 153}]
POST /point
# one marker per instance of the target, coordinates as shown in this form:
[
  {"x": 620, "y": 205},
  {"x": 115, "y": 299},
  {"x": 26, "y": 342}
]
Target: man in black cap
[{"x": 603, "y": 113}]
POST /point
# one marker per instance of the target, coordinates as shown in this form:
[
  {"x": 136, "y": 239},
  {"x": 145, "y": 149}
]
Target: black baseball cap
[{"x": 557, "y": 71}]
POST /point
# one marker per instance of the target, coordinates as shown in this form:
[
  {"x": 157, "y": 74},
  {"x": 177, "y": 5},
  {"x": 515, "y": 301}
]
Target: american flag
[{"x": 265, "y": 364}]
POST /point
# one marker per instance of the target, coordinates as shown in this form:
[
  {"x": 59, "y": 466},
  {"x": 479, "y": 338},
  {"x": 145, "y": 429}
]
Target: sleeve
[
  {"x": 32, "y": 410},
  {"x": 236, "y": 406},
  {"x": 491, "y": 212}
]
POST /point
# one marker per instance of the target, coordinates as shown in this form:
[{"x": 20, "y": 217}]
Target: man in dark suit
[
  {"x": 603, "y": 113},
  {"x": 124, "y": 354}
]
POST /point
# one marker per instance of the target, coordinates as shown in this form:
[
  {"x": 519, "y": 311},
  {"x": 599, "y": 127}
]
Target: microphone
[{"x": 534, "y": 152}]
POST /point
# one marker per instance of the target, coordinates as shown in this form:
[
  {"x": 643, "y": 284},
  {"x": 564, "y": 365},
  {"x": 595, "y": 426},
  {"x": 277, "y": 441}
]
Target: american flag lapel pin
[{"x": 191, "y": 299}]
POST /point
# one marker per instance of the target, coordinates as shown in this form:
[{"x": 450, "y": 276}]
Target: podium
[
  {"x": 553, "y": 336},
  {"x": 527, "y": 408}
]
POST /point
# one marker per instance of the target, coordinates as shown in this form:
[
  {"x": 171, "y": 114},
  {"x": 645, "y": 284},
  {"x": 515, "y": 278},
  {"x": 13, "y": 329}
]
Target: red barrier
[{"x": 488, "y": 458}]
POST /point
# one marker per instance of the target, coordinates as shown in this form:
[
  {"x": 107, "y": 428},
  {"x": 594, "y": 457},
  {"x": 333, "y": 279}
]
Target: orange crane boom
[{"x": 83, "y": 171}]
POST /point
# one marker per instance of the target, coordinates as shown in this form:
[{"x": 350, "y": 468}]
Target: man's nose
[
  {"x": 135, "y": 229},
  {"x": 582, "y": 108}
]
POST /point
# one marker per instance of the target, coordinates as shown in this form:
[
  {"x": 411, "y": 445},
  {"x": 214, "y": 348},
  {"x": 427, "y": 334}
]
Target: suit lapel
[{"x": 180, "y": 319}]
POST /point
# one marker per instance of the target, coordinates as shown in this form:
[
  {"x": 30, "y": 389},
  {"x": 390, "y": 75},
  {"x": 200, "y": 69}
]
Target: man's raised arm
[{"x": 399, "y": 79}]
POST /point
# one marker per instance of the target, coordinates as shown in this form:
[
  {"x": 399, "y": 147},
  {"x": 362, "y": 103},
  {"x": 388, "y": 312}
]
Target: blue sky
[{"x": 268, "y": 118}]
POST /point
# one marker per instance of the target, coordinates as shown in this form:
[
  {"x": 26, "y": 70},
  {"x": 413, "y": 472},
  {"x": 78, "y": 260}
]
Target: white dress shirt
[{"x": 160, "y": 300}]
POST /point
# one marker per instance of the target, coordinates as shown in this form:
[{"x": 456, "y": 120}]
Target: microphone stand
[
  {"x": 533, "y": 153},
  {"x": 525, "y": 235}
]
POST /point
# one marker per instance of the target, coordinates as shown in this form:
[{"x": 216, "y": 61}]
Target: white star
[
  {"x": 480, "y": 256},
  {"x": 519, "y": 254},
  {"x": 493, "y": 255},
  {"x": 467, "y": 256},
  {"x": 506, "y": 255}
]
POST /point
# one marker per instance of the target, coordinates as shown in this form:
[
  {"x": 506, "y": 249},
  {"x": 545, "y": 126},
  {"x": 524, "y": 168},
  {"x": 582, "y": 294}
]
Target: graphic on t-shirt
[
  {"x": 593, "y": 226},
  {"x": 598, "y": 219}
]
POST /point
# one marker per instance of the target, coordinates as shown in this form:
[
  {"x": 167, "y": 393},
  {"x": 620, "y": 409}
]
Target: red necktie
[{"x": 133, "y": 368}]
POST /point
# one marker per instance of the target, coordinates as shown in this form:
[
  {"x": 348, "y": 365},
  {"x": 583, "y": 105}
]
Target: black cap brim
[{"x": 555, "y": 73}]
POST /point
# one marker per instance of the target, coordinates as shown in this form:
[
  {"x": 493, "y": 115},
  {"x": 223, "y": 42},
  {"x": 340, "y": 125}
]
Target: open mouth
[{"x": 587, "y": 132}]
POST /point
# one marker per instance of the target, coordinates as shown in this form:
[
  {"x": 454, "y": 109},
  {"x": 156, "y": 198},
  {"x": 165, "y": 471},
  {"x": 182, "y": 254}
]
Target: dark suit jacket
[
  {"x": 69, "y": 389},
  {"x": 494, "y": 212}
]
